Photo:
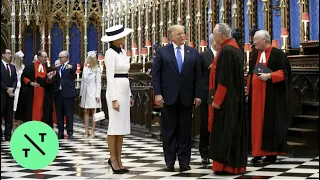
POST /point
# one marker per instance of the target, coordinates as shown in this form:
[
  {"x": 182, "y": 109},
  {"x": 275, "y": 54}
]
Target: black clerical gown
[{"x": 228, "y": 142}]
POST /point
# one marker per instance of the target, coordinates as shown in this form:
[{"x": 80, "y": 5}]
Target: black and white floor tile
[{"x": 87, "y": 159}]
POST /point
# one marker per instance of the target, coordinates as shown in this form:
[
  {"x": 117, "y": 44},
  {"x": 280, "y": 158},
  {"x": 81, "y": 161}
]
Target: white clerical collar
[{"x": 40, "y": 68}]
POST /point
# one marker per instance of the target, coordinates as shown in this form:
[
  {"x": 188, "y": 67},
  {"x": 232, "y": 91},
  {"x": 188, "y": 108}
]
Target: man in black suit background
[
  {"x": 176, "y": 81},
  {"x": 8, "y": 85},
  {"x": 206, "y": 59}
]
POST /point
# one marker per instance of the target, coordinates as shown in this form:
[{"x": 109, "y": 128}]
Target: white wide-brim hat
[{"x": 116, "y": 32}]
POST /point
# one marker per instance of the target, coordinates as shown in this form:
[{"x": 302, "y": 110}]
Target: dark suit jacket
[
  {"x": 206, "y": 59},
  {"x": 67, "y": 81},
  {"x": 168, "y": 82},
  {"x": 7, "y": 81}
]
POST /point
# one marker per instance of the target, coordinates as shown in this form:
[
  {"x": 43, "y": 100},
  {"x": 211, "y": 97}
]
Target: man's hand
[
  {"x": 97, "y": 99},
  {"x": 158, "y": 99},
  {"x": 264, "y": 76},
  {"x": 214, "y": 105},
  {"x": 11, "y": 94},
  {"x": 51, "y": 74},
  {"x": 197, "y": 102},
  {"x": 34, "y": 84},
  {"x": 10, "y": 90}
]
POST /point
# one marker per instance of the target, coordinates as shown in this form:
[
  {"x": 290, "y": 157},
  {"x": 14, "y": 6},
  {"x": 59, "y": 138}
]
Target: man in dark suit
[
  {"x": 176, "y": 81},
  {"x": 66, "y": 95},
  {"x": 8, "y": 85},
  {"x": 206, "y": 59}
]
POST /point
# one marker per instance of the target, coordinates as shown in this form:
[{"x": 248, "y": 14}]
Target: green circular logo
[{"x": 34, "y": 145}]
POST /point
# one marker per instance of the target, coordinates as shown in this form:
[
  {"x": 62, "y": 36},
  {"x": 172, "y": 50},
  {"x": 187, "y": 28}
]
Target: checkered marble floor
[{"x": 87, "y": 159}]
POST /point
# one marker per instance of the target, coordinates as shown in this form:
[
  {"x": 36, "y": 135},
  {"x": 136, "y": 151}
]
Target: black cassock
[{"x": 228, "y": 141}]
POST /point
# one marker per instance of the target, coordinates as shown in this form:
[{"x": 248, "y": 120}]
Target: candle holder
[
  {"x": 247, "y": 50},
  {"x": 144, "y": 53},
  {"x": 148, "y": 45},
  {"x": 101, "y": 66},
  {"x": 305, "y": 20},
  {"x": 136, "y": 55},
  {"x": 275, "y": 43},
  {"x": 165, "y": 41},
  {"x": 134, "y": 50},
  {"x": 203, "y": 44},
  {"x": 191, "y": 44},
  {"x": 101, "y": 62},
  {"x": 284, "y": 35},
  {"x": 78, "y": 76},
  {"x": 129, "y": 54}
]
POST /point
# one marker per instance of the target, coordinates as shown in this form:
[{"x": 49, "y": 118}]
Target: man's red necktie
[{"x": 8, "y": 70}]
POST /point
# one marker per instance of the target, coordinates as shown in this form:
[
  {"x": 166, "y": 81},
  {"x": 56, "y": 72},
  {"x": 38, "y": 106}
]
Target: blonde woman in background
[
  {"x": 17, "y": 61},
  {"x": 90, "y": 91}
]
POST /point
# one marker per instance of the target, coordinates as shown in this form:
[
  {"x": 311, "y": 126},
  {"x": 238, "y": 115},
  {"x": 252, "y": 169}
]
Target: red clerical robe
[
  {"x": 38, "y": 92},
  {"x": 221, "y": 158},
  {"x": 258, "y": 100}
]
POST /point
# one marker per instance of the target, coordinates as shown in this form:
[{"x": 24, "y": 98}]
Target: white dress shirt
[
  {"x": 181, "y": 50},
  {"x": 62, "y": 66},
  {"x": 214, "y": 52},
  {"x": 5, "y": 65}
]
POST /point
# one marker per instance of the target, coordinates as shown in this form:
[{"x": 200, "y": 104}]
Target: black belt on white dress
[{"x": 121, "y": 75}]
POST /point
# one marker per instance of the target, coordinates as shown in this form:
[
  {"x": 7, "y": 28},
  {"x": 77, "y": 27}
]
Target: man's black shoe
[
  {"x": 61, "y": 137},
  {"x": 256, "y": 160},
  {"x": 184, "y": 168},
  {"x": 70, "y": 136},
  {"x": 270, "y": 159},
  {"x": 169, "y": 168},
  {"x": 205, "y": 161},
  {"x": 8, "y": 138}
]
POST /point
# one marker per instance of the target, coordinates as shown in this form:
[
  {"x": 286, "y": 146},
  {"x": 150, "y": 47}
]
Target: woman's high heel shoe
[
  {"x": 125, "y": 170},
  {"x": 119, "y": 171}
]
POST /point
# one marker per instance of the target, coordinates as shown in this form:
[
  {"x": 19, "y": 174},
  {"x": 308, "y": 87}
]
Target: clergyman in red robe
[
  {"x": 32, "y": 97},
  {"x": 228, "y": 140},
  {"x": 268, "y": 100}
]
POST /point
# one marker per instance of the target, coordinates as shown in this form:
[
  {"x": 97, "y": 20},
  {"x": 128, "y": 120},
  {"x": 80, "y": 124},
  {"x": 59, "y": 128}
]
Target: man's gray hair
[
  {"x": 224, "y": 29},
  {"x": 174, "y": 28},
  {"x": 65, "y": 53},
  {"x": 264, "y": 35}
]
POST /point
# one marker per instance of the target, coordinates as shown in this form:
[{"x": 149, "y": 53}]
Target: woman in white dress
[
  {"x": 118, "y": 94},
  {"x": 90, "y": 91},
  {"x": 17, "y": 61}
]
